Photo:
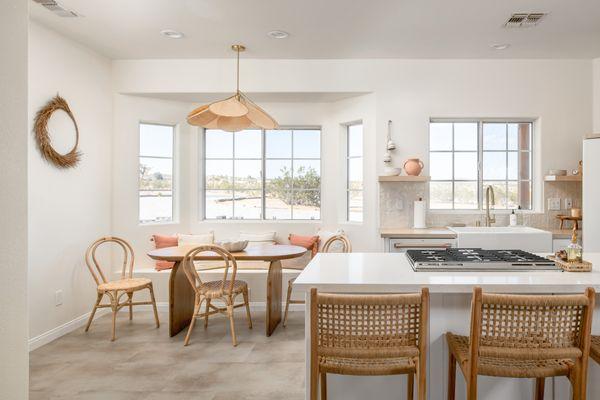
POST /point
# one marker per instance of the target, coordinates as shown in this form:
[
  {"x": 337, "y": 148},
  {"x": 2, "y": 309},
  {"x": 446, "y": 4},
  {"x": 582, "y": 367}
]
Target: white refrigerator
[{"x": 591, "y": 195}]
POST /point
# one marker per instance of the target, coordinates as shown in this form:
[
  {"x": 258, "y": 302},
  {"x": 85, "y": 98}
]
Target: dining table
[{"x": 181, "y": 293}]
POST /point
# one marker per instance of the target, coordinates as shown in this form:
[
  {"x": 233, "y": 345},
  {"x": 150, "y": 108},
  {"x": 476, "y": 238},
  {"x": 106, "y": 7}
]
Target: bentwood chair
[
  {"x": 523, "y": 336},
  {"x": 115, "y": 290},
  {"x": 344, "y": 247},
  {"x": 368, "y": 335},
  {"x": 595, "y": 349},
  {"x": 225, "y": 290}
]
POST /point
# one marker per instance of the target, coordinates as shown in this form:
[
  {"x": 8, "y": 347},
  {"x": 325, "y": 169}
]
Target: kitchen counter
[
  {"x": 411, "y": 233},
  {"x": 445, "y": 233},
  {"x": 449, "y": 311}
]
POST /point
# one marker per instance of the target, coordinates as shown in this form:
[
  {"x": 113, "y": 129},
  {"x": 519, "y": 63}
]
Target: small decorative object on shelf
[
  {"x": 390, "y": 146},
  {"x": 413, "y": 166},
  {"x": 40, "y": 128},
  {"x": 579, "y": 171}
]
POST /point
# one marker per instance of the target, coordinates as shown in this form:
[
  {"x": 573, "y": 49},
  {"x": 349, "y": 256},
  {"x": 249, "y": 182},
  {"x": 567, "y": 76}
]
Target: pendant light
[{"x": 233, "y": 114}]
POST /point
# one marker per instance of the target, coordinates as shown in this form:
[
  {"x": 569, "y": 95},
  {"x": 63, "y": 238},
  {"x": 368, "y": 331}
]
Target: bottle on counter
[
  {"x": 574, "y": 250},
  {"x": 513, "y": 218}
]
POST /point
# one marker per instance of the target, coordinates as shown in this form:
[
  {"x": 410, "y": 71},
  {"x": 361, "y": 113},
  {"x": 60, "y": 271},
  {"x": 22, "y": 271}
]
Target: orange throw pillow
[
  {"x": 308, "y": 242},
  {"x": 161, "y": 241}
]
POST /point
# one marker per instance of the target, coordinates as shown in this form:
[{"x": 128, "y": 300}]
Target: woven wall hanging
[{"x": 68, "y": 160}]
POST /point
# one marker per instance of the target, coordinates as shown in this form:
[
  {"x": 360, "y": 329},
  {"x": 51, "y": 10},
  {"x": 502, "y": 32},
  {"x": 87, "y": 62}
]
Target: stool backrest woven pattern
[
  {"x": 527, "y": 326},
  {"x": 229, "y": 262},
  {"x": 345, "y": 245},
  {"x": 94, "y": 266},
  {"x": 369, "y": 326}
]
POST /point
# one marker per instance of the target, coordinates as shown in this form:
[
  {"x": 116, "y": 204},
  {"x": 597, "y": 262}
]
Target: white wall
[
  {"x": 596, "y": 90},
  {"x": 14, "y": 367},
  {"x": 409, "y": 92},
  {"x": 68, "y": 209}
]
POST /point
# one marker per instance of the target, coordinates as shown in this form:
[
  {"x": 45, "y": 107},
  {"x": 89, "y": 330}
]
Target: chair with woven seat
[
  {"x": 225, "y": 290},
  {"x": 368, "y": 335},
  {"x": 345, "y": 247},
  {"x": 127, "y": 285},
  {"x": 595, "y": 348},
  {"x": 524, "y": 336}
]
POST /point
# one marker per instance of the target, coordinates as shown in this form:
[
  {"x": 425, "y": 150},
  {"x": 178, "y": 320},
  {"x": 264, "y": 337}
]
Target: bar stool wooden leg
[
  {"x": 539, "y": 388},
  {"x": 323, "y": 386},
  {"x": 287, "y": 303},
  {"x": 451, "y": 376},
  {"x": 410, "y": 386},
  {"x": 87, "y": 327}
]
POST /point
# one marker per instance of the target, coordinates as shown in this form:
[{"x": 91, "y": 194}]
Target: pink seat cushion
[
  {"x": 308, "y": 242},
  {"x": 161, "y": 241}
]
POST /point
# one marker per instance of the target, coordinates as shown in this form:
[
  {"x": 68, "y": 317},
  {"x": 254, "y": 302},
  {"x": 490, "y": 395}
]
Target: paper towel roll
[{"x": 420, "y": 215}]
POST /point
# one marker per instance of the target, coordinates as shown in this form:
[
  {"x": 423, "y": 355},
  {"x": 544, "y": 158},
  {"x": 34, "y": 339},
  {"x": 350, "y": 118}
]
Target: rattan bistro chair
[
  {"x": 345, "y": 247},
  {"x": 521, "y": 336},
  {"x": 225, "y": 290},
  {"x": 368, "y": 335},
  {"x": 115, "y": 290}
]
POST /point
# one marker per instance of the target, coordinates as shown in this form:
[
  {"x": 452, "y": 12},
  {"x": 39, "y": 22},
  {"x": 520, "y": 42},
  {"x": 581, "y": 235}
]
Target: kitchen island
[{"x": 450, "y": 306}]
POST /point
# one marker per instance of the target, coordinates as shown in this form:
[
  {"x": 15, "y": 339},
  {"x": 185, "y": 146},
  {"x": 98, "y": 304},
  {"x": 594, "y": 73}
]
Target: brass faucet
[{"x": 489, "y": 219}]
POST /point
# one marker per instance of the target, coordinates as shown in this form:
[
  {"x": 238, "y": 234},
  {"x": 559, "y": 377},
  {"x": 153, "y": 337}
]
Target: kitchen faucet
[{"x": 489, "y": 219}]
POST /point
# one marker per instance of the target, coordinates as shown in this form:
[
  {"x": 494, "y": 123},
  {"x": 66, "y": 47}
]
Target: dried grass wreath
[{"x": 68, "y": 160}]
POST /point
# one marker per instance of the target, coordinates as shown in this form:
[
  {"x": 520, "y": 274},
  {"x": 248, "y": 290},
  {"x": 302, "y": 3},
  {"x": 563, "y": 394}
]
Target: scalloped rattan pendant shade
[{"x": 234, "y": 113}]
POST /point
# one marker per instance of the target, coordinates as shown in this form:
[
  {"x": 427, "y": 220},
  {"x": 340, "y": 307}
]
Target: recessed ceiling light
[
  {"x": 171, "y": 34},
  {"x": 276, "y": 34},
  {"x": 500, "y": 46}
]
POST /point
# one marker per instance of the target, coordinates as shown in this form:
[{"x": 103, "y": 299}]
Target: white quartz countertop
[{"x": 391, "y": 272}]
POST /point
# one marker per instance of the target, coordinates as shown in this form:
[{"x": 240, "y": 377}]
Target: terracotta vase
[{"x": 413, "y": 166}]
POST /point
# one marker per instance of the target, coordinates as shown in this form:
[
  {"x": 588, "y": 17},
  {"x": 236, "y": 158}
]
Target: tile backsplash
[{"x": 396, "y": 206}]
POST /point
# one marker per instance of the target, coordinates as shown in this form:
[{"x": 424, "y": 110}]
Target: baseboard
[
  {"x": 80, "y": 321},
  {"x": 62, "y": 330}
]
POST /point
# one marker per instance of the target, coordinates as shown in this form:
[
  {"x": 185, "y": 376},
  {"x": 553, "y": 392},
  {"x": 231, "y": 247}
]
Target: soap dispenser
[{"x": 513, "y": 218}]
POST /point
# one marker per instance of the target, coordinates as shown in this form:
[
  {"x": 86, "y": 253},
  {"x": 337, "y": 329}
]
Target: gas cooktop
[{"x": 478, "y": 260}]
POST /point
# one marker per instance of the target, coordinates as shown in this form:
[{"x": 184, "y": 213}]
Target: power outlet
[
  {"x": 554, "y": 204},
  {"x": 568, "y": 203},
  {"x": 58, "y": 298}
]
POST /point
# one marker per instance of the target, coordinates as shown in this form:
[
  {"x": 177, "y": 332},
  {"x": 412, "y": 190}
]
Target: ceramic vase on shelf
[{"x": 413, "y": 166}]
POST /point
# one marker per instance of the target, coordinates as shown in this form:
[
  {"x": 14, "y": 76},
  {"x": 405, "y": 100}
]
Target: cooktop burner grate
[{"x": 477, "y": 259}]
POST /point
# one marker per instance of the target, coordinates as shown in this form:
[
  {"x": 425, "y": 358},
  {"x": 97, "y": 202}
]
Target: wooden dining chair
[
  {"x": 524, "y": 336},
  {"x": 127, "y": 285},
  {"x": 345, "y": 247},
  {"x": 368, "y": 335},
  {"x": 225, "y": 290}
]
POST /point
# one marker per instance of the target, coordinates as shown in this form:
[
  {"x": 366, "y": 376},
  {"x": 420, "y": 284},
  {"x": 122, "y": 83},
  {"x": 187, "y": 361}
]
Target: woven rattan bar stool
[
  {"x": 595, "y": 349},
  {"x": 368, "y": 335},
  {"x": 225, "y": 290},
  {"x": 345, "y": 247},
  {"x": 115, "y": 290},
  {"x": 522, "y": 336}
]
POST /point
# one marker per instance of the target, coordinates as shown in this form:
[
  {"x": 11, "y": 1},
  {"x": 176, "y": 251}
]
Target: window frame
[
  {"x": 480, "y": 151},
  {"x": 263, "y": 159},
  {"x": 174, "y": 209},
  {"x": 348, "y": 157}
]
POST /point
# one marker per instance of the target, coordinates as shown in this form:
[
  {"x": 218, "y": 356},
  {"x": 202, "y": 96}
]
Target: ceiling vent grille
[
  {"x": 57, "y": 9},
  {"x": 524, "y": 20}
]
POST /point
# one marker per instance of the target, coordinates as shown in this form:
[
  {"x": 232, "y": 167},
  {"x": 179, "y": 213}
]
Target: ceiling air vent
[
  {"x": 524, "y": 20},
  {"x": 57, "y": 9}
]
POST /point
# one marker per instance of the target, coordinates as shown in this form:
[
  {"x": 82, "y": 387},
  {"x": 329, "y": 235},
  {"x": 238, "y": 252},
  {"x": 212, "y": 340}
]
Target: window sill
[
  {"x": 166, "y": 223},
  {"x": 483, "y": 212},
  {"x": 262, "y": 221}
]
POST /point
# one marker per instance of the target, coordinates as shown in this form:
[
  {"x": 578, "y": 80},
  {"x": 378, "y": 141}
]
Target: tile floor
[{"x": 144, "y": 363}]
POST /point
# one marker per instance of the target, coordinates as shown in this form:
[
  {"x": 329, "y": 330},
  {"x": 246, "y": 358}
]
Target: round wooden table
[{"x": 181, "y": 294}]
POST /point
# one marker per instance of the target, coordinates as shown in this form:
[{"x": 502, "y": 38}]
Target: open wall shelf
[
  {"x": 564, "y": 178},
  {"x": 403, "y": 178}
]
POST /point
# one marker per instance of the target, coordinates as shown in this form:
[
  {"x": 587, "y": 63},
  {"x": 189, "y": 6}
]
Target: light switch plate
[
  {"x": 554, "y": 204},
  {"x": 568, "y": 203}
]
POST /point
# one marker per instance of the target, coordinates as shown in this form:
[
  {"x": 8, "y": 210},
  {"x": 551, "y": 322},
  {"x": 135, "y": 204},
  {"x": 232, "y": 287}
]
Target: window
[
  {"x": 256, "y": 174},
  {"x": 468, "y": 156},
  {"x": 156, "y": 173},
  {"x": 354, "y": 166}
]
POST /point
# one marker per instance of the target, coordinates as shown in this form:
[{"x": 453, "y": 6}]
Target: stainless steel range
[{"x": 478, "y": 260}]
